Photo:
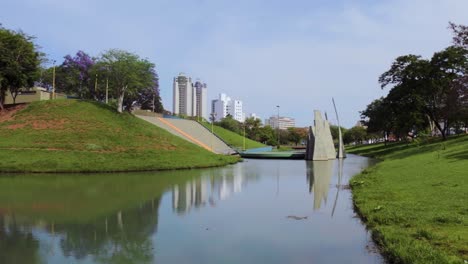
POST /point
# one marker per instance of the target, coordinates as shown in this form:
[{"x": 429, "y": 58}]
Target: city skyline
[{"x": 296, "y": 55}]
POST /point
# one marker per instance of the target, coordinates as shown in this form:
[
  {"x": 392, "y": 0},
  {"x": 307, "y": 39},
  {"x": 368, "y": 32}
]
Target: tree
[
  {"x": 76, "y": 72},
  {"x": 460, "y": 35},
  {"x": 296, "y": 134},
  {"x": 19, "y": 63},
  {"x": 230, "y": 123},
  {"x": 355, "y": 134},
  {"x": 379, "y": 117},
  {"x": 128, "y": 73},
  {"x": 252, "y": 126},
  {"x": 426, "y": 88},
  {"x": 267, "y": 135}
]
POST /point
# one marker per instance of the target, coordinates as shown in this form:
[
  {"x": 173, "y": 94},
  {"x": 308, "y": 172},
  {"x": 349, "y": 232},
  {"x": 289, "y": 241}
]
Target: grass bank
[
  {"x": 416, "y": 200},
  {"x": 80, "y": 136},
  {"x": 233, "y": 139}
]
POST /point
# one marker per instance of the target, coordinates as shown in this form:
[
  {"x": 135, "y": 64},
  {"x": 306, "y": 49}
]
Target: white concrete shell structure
[{"x": 320, "y": 142}]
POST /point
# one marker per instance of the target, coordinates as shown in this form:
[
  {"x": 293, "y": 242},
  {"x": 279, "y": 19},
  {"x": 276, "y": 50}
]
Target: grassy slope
[
  {"x": 233, "y": 139},
  {"x": 416, "y": 200},
  {"x": 70, "y": 136}
]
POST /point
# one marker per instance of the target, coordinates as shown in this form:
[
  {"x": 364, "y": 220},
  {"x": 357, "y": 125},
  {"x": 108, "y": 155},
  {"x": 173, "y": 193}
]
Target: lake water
[{"x": 257, "y": 211}]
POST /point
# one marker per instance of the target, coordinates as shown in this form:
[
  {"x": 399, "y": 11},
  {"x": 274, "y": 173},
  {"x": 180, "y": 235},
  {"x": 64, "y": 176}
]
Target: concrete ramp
[{"x": 192, "y": 132}]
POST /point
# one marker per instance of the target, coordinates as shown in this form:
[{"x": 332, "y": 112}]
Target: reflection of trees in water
[
  {"x": 17, "y": 245},
  {"x": 319, "y": 175},
  {"x": 123, "y": 237},
  {"x": 213, "y": 185}
]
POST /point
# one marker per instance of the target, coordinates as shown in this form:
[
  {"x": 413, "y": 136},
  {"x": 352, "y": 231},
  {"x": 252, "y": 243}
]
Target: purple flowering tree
[{"x": 76, "y": 75}]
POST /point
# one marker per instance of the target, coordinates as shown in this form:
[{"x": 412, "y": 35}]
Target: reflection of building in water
[
  {"x": 192, "y": 193},
  {"x": 319, "y": 176},
  {"x": 209, "y": 188}
]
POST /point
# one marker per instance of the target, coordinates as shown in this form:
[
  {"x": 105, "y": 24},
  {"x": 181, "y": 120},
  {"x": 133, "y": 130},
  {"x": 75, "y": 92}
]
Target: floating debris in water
[{"x": 297, "y": 217}]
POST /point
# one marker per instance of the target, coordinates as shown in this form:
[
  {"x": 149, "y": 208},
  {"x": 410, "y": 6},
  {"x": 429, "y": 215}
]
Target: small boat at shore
[{"x": 273, "y": 155}]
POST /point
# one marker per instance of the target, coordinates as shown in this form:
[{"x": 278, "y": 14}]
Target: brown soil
[
  {"x": 16, "y": 126},
  {"x": 8, "y": 113},
  {"x": 47, "y": 124}
]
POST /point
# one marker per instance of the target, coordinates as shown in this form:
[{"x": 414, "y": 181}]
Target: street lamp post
[
  {"x": 277, "y": 126},
  {"x": 107, "y": 85},
  {"x": 243, "y": 146},
  {"x": 53, "y": 81},
  {"x": 96, "y": 85},
  {"x": 213, "y": 115}
]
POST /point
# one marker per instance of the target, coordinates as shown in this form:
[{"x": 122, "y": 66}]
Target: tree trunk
[
  {"x": 121, "y": 98},
  {"x": 14, "y": 95},
  {"x": 120, "y": 103},
  {"x": 2, "y": 99}
]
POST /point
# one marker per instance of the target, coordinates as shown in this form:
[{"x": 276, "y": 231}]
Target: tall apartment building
[
  {"x": 189, "y": 99},
  {"x": 224, "y": 106},
  {"x": 201, "y": 99},
  {"x": 283, "y": 122}
]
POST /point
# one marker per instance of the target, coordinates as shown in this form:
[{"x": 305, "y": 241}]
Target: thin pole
[
  {"x": 107, "y": 90},
  {"x": 244, "y": 137},
  {"x": 277, "y": 126},
  {"x": 53, "y": 82},
  {"x": 95, "y": 84}
]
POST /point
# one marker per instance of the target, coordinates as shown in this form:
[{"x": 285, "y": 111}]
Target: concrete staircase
[{"x": 192, "y": 132}]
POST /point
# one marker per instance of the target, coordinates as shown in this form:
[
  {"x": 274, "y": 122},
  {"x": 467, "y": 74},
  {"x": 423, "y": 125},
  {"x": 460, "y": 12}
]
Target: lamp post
[
  {"x": 243, "y": 146},
  {"x": 277, "y": 126},
  {"x": 107, "y": 85},
  {"x": 95, "y": 84},
  {"x": 53, "y": 81},
  {"x": 213, "y": 115}
]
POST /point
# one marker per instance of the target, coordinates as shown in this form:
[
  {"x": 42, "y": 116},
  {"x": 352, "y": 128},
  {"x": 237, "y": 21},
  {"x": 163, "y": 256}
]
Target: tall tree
[
  {"x": 128, "y": 73},
  {"x": 75, "y": 75},
  {"x": 252, "y": 126},
  {"x": 19, "y": 62},
  {"x": 426, "y": 87}
]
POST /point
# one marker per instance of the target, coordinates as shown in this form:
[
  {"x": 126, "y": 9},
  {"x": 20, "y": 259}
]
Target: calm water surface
[{"x": 258, "y": 211}]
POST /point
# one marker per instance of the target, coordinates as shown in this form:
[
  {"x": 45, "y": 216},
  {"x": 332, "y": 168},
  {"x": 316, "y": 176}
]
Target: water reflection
[
  {"x": 210, "y": 188},
  {"x": 110, "y": 219},
  {"x": 319, "y": 174},
  {"x": 174, "y": 217}
]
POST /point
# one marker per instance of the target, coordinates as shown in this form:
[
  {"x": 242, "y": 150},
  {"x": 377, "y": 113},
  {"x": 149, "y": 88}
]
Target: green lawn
[
  {"x": 233, "y": 139},
  {"x": 73, "y": 136},
  {"x": 416, "y": 200}
]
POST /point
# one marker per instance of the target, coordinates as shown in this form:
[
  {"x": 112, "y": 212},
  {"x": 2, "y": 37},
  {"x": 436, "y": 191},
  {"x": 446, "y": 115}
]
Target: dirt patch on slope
[{"x": 8, "y": 113}]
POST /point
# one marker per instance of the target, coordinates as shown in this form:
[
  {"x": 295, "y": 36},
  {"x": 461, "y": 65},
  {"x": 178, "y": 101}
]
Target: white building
[
  {"x": 235, "y": 110},
  {"x": 283, "y": 123},
  {"x": 224, "y": 106},
  {"x": 189, "y": 99}
]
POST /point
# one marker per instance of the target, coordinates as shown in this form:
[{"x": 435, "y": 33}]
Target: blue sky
[{"x": 296, "y": 54}]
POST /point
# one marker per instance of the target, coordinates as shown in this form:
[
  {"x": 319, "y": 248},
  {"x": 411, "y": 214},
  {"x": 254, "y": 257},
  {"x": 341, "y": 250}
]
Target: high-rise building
[
  {"x": 224, "y": 106},
  {"x": 201, "y": 99},
  {"x": 283, "y": 122},
  {"x": 189, "y": 99}
]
